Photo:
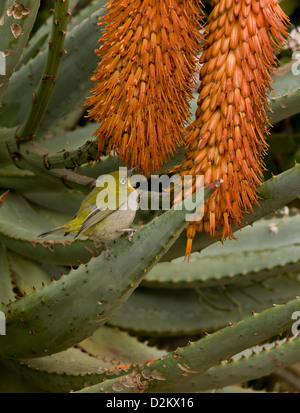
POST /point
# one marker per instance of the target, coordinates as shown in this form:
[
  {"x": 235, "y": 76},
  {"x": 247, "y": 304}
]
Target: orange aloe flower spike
[
  {"x": 227, "y": 139},
  {"x": 144, "y": 81}
]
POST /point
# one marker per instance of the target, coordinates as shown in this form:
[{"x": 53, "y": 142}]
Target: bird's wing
[{"x": 97, "y": 215}]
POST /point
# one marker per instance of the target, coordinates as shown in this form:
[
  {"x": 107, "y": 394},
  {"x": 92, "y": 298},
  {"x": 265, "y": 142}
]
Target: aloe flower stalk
[
  {"x": 144, "y": 81},
  {"x": 227, "y": 139}
]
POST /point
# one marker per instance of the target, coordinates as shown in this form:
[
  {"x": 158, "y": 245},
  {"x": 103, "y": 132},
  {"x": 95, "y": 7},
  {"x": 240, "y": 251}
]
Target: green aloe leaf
[
  {"x": 118, "y": 347},
  {"x": 284, "y": 102},
  {"x": 196, "y": 358},
  {"x": 224, "y": 269},
  {"x": 11, "y": 383},
  {"x": 15, "y": 27},
  {"x": 165, "y": 312},
  {"x": 27, "y": 275},
  {"x": 71, "y": 141},
  {"x": 248, "y": 365},
  {"x": 65, "y": 202},
  {"x": 72, "y": 361},
  {"x": 6, "y": 286},
  {"x": 107, "y": 353},
  {"x": 25, "y": 181},
  {"x": 61, "y": 372},
  {"x": 3, "y": 7},
  {"x": 20, "y": 226},
  {"x": 275, "y": 193},
  {"x": 80, "y": 60},
  {"x": 6, "y": 134},
  {"x": 268, "y": 248},
  {"x": 39, "y": 41},
  {"x": 69, "y": 150},
  {"x": 76, "y": 305}
]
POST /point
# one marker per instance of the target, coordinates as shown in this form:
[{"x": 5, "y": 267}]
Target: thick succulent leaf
[
  {"x": 3, "y": 7},
  {"x": 12, "y": 383},
  {"x": 50, "y": 215},
  {"x": 68, "y": 151},
  {"x": 72, "y": 361},
  {"x": 39, "y": 41},
  {"x": 27, "y": 275},
  {"x": 176, "y": 312},
  {"x": 61, "y": 372},
  {"x": 36, "y": 43},
  {"x": 55, "y": 271},
  {"x": 196, "y": 358},
  {"x": 5, "y": 135},
  {"x": 6, "y": 286},
  {"x": 3, "y": 198},
  {"x": 285, "y": 101},
  {"x": 203, "y": 271},
  {"x": 68, "y": 122},
  {"x": 80, "y": 60},
  {"x": 275, "y": 193},
  {"x": 273, "y": 232},
  {"x": 107, "y": 353},
  {"x": 65, "y": 202},
  {"x": 20, "y": 226},
  {"x": 36, "y": 179},
  {"x": 268, "y": 248},
  {"x": 71, "y": 141},
  {"x": 19, "y": 177},
  {"x": 22, "y": 180},
  {"x": 118, "y": 347},
  {"x": 14, "y": 32},
  {"x": 248, "y": 365},
  {"x": 284, "y": 143},
  {"x": 73, "y": 307}
]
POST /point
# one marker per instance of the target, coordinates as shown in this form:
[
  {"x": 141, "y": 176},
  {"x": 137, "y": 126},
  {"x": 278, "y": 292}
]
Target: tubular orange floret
[
  {"x": 241, "y": 39},
  {"x": 149, "y": 54}
]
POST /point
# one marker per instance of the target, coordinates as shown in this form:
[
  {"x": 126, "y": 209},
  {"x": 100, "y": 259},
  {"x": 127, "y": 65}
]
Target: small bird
[{"x": 96, "y": 219}]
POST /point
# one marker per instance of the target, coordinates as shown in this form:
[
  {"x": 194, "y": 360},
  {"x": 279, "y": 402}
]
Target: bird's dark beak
[{"x": 129, "y": 173}]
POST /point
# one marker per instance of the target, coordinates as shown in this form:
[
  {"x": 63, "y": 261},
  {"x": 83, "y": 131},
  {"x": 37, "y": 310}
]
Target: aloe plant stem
[{"x": 43, "y": 93}]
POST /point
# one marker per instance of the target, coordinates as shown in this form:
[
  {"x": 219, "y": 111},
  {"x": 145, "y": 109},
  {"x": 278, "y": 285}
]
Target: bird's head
[{"x": 122, "y": 178}]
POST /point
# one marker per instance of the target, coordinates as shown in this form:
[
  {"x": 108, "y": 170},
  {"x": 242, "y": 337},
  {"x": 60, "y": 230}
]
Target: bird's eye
[{"x": 123, "y": 181}]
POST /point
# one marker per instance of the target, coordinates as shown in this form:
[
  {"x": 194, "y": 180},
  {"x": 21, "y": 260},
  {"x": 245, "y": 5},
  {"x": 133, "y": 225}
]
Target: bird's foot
[
  {"x": 129, "y": 232},
  {"x": 105, "y": 249}
]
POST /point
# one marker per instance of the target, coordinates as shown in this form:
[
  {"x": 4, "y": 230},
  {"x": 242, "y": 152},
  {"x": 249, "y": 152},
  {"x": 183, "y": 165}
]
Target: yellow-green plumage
[{"x": 98, "y": 222}]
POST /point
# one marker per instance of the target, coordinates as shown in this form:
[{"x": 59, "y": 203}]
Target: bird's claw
[
  {"x": 129, "y": 232},
  {"x": 105, "y": 248}
]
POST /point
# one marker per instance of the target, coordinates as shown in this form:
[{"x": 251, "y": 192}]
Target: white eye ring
[{"x": 123, "y": 181}]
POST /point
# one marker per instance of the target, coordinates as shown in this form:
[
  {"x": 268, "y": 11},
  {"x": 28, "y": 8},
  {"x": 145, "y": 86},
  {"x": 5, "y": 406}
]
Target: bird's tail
[{"x": 57, "y": 229}]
